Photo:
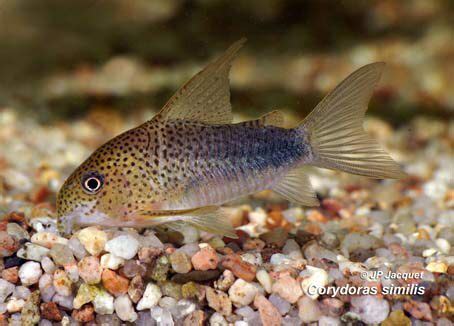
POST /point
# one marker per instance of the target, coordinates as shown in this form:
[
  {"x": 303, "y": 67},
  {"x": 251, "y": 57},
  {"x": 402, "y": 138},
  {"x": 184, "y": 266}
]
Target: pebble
[
  {"x": 84, "y": 314},
  {"x": 287, "y": 288},
  {"x": 48, "y": 239},
  {"x": 124, "y": 246},
  {"x": 171, "y": 289},
  {"x": 16, "y": 231},
  {"x": 265, "y": 280},
  {"x": 29, "y": 273},
  {"x": 62, "y": 283},
  {"x": 160, "y": 269},
  {"x": 62, "y": 255},
  {"x": 111, "y": 261},
  {"x": 371, "y": 309},
  {"x": 124, "y": 309},
  {"x": 50, "y": 311},
  {"x": 239, "y": 267},
  {"x": 397, "y": 317},
  {"x": 196, "y": 318},
  {"x": 32, "y": 251},
  {"x": 282, "y": 305},
  {"x": 189, "y": 249},
  {"x": 437, "y": 267},
  {"x": 46, "y": 287},
  {"x": 308, "y": 310},
  {"x": 150, "y": 297},
  {"x": 136, "y": 288},
  {"x": 162, "y": 316},
  {"x": 190, "y": 234},
  {"x": 90, "y": 270},
  {"x": 93, "y": 239},
  {"x": 73, "y": 272},
  {"x": 103, "y": 303},
  {"x": 292, "y": 250},
  {"x": 205, "y": 259},
  {"x": 217, "y": 319},
  {"x": 21, "y": 292},
  {"x": 132, "y": 268},
  {"x": 11, "y": 274},
  {"x": 77, "y": 248},
  {"x": 64, "y": 301},
  {"x": 30, "y": 312},
  {"x": 317, "y": 279},
  {"x": 8, "y": 244},
  {"x": 148, "y": 255},
  {"x": 85, "y": 294},
  {"x": 225, "y": 281},
  {"x": 114, "y": 283},
  {"x": 15, "y": 305},
  {"x": 242, "y": 293},
  {"x": 219, "y": 301},
  {"x": 181, "y": 262},
  {"x": 276, "y": 237},
  {"x": 419, "y": 310},
  {"x": 329, "y": 321},
  {"x": 48, "y": 265},
  {"x": 269, "y": 315}
]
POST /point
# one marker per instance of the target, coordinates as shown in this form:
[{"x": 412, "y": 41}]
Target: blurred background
[{"x": 75, "y": 73}]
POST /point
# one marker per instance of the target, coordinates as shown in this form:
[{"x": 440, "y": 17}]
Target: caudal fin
[{"x": 335, "y": 129}]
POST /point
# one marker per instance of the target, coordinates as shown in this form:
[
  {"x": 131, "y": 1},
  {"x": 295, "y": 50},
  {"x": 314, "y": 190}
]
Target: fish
[{"x": 181, "y": 166}]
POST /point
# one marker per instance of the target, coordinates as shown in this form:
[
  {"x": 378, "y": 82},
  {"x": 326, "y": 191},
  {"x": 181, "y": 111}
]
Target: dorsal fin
[
  {"x": 273, "y": 118},
  {"x": 206, "y": 96},
  {"x": 296, "y": 188}
]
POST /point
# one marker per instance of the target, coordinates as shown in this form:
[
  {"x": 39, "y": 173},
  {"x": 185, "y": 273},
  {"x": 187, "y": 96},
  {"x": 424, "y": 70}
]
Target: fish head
[{"x": 107, "y": 187}]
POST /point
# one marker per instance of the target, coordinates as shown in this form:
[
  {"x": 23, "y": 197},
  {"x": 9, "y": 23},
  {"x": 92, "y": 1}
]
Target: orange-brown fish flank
[{"x": 179, "y": 167}]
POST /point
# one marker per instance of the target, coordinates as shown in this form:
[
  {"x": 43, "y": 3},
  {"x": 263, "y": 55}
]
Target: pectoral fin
[
  {"x": 296, "y": 187},
  {"x": 209, "y": 218}
]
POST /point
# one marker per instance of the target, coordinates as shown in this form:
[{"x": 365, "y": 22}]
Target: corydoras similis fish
[{"x": 190, "y": 158}]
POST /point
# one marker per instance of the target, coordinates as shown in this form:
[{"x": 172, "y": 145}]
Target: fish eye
[{"x": 92, "y": 182}]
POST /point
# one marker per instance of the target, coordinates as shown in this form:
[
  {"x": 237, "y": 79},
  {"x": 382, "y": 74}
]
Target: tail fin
[{"x": 335, "y": 129}]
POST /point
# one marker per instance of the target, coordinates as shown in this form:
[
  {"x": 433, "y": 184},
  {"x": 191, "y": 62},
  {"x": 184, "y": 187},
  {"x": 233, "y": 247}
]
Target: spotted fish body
[{"x": 189, "y": 159}]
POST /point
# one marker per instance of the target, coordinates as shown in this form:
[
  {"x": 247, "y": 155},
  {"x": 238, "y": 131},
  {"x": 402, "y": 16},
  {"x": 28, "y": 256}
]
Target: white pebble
[
  {"x": 46, "y": 287},
  {"x": 443, "y": 245},
  {"x": 21, "y": 292},
  {"x": 150, "y": 297},
  {"x": 48, "y": 265},
  {"x": 15, "y": 305},
  {"x": 65, "y": 301},
  {"x": 111, "y": 261},
  {"x": 329, "y": 321},
  {"x": 265, "y": 279},
  {"x": 217, "y": 320},
  {"x": 103, "y": 303},
  {"x": 282, "y": 305},
  {"x": 47, "y": 239},
  {"x": 32, "y": 251},
  {"x": 371, "y": 309},
  {"x": 6, "y": 288},
  {"x": 124, "y": 246},
  {"x": 242, "y": 293},
  {"x": 162, "y": 316},
  {"x": 30, "y": 272},
  {"x": 317, "y": 279},
  {"x": 124, "y": 309}
]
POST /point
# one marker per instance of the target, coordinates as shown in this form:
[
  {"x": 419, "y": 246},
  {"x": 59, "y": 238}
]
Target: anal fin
[
  {"x": 296, "y": 188},
  {"x": 211, "y": 219}
]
